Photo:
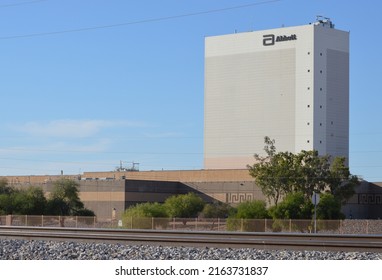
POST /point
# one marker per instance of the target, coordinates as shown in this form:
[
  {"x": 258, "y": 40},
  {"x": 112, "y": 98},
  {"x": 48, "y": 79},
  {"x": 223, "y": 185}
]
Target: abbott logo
[{"x": 270, "y": 39}]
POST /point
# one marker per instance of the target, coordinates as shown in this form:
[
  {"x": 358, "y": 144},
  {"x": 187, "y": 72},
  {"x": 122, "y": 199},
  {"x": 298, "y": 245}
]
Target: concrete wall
[
  {"x": 105, "y": 198},
  {"x": 331, "y": 91},
  {"x": 229, "y": 192},
  {"x": 227, "y": 175},
  {"x": 245, "y": 82},
  {"x": 295, "y": 91},
  {"x": 140, "y": 191},
  {"x": 366, "y": 203}
]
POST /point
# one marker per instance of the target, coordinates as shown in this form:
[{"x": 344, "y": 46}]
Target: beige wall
[
  {"x": 178, "y": 175},
  {"x": 366, "y": 203},
  {"x": 294, "y": 91},
  {"x": 229, "y": 186},
  {"x": 218, "y": 175},
  {"x": 104, "y": 197},
  {"x": 36, "y": 179},
  {"x": 229, "y": 192}
]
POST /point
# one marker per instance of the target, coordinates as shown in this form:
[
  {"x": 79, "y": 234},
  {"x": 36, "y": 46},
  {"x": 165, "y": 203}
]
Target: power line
[
  {"x": 177, "y": 137},
  {"x": 138, "y": 22},
  {"x": 138, "y": 152},
  {"x": 142, "y": 154}
]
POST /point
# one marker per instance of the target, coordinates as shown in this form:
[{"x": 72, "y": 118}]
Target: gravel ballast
[{"x": 53, "y": 250}]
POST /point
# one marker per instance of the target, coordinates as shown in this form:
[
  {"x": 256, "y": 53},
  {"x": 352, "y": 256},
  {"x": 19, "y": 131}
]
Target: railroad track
[{"x": 280, "y": 241}]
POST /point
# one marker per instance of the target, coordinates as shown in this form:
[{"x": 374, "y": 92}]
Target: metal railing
[{"x": 200, "y": 224}]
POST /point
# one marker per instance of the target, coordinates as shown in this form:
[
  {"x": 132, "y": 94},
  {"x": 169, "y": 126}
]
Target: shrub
[
  {"x": 184, "y": 205},
  {"x": 140, "y": 216},
  {"x": 249, "y": 216},
  {"x": 294, "y": 206},
  {"x": 329, "y": 208},
  {"x": 255, "y": 209},
  {"x": 216, "y": 210}
]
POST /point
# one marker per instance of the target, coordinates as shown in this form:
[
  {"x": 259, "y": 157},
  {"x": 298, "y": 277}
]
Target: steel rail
[{"x": 280, "y": 241}]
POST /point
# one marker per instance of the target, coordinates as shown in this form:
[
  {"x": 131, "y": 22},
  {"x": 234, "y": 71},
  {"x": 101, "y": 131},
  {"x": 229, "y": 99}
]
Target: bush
[
  {"x": 140, "y": 216},
  {"x": 329, "y": 208},
  {"x": 64, "y": 198},
  {"x": 84, "y": 213},
  {"x": 30, "y": 201},
  {"x": 144, "y": 210},
  {"x": 249, "y": 216},
  {"x": 216, "y": 210},
  {"x": 294, "y": 206},
  {"x": 184, "y": 205},
  {"x": 255, "y": 209}
]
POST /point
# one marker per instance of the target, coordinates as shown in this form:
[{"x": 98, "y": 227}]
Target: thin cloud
[
  {"x": 99, "y": 146},
  {"x": 72, "y": 128}
]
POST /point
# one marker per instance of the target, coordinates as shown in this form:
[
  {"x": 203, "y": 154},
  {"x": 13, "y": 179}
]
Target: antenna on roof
[
  {"x": 121, "y": 168},
  {"x": 324, "y": 21}
]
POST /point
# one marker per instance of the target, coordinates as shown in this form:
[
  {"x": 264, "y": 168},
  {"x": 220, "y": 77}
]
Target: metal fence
[
  {"x": 54, "y": 221},
  {"x": 200, "y": 224},
  {"x": 257, "y": 225}
]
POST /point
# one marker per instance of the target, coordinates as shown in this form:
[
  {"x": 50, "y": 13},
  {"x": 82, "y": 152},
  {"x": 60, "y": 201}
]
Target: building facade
[
  {"x": 109, "y": 194},
  {"x": 291, "y": 84}
]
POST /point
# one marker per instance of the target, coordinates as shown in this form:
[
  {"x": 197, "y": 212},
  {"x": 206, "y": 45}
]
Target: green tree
[
  {"x": 341, "y": 182},
  {"x": 6, "y": 204},
  {"x": 329, "y": 208},
  {"x": 294, "y": 206},
  {"x": 6, "y": 198},
  {"x": 282, "y": 173},
  {"x": 274, "y": 172},
  {"x": 4, "y": 188},
  {"x": 312, "y": 173},
  {"x": 184, "y": 205},
  {"x": 30, "y": 201},
  {"x": 64, "y": 199}
]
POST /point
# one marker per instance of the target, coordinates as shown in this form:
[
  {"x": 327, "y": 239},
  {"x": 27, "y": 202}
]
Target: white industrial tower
[{"x": 291, "y": 84}]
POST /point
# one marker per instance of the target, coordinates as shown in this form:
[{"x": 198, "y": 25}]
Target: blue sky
[{"x": 88, "y": 83}]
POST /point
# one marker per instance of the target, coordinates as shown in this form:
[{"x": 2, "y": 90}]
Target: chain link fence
[{"x": 200, "y": 224}]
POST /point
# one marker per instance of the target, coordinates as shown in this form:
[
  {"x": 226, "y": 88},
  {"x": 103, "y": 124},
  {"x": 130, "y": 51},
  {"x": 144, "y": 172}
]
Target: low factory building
[{"x": 108, "y": 194}]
